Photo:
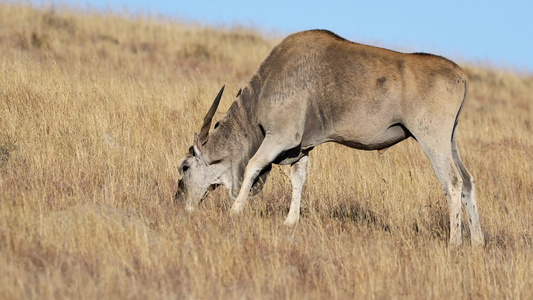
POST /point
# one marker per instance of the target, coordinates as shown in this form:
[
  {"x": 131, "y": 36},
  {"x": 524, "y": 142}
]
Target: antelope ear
[{"x": 197, "y": 146}]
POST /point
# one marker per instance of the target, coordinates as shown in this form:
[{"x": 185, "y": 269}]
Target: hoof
[
  {"x": 290, "y": 222},
  {"x": 236, "y": 210}
]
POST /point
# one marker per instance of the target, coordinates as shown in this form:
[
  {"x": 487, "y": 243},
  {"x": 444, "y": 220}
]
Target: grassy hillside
[{"x": 95, "y": 112}]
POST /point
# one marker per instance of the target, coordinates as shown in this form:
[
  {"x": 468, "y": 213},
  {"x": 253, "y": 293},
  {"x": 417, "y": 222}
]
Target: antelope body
[{"x": 316, "y": 87}]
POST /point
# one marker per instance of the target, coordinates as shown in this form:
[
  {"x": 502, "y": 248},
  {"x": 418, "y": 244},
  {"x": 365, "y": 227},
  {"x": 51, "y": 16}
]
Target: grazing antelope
[{"x": 316, "y": 87}]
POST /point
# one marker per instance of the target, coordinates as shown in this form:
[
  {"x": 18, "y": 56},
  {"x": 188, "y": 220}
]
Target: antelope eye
[{"x": 185, "y": 168}]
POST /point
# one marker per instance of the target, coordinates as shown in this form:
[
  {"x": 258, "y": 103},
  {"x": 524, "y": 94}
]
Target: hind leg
[
  {"x": 468, "y": 196},
  {"x": 451, "y": 181}
]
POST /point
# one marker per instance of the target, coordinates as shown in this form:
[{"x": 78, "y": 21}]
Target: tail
[{"x": 465, "y": 79}]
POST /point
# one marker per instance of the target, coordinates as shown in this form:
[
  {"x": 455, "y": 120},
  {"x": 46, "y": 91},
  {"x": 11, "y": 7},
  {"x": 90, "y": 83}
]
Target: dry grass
[{"x": 95, "y": 112}]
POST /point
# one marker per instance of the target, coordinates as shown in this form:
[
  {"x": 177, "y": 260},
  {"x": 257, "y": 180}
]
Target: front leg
[
  {"x": 251, "y": 173},
  {"x": 270, "y": 149},
  {"x": 298, "y": 175}
]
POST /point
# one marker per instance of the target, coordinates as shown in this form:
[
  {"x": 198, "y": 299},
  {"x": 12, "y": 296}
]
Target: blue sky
[{"x": 497, "y": 33}]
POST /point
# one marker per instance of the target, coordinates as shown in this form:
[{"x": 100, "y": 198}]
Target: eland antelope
[{"x": 316, "y": 87}]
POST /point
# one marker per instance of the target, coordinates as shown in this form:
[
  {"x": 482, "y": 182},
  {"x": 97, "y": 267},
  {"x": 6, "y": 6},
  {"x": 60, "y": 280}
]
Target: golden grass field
[{"x": 96, "y": 109}]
